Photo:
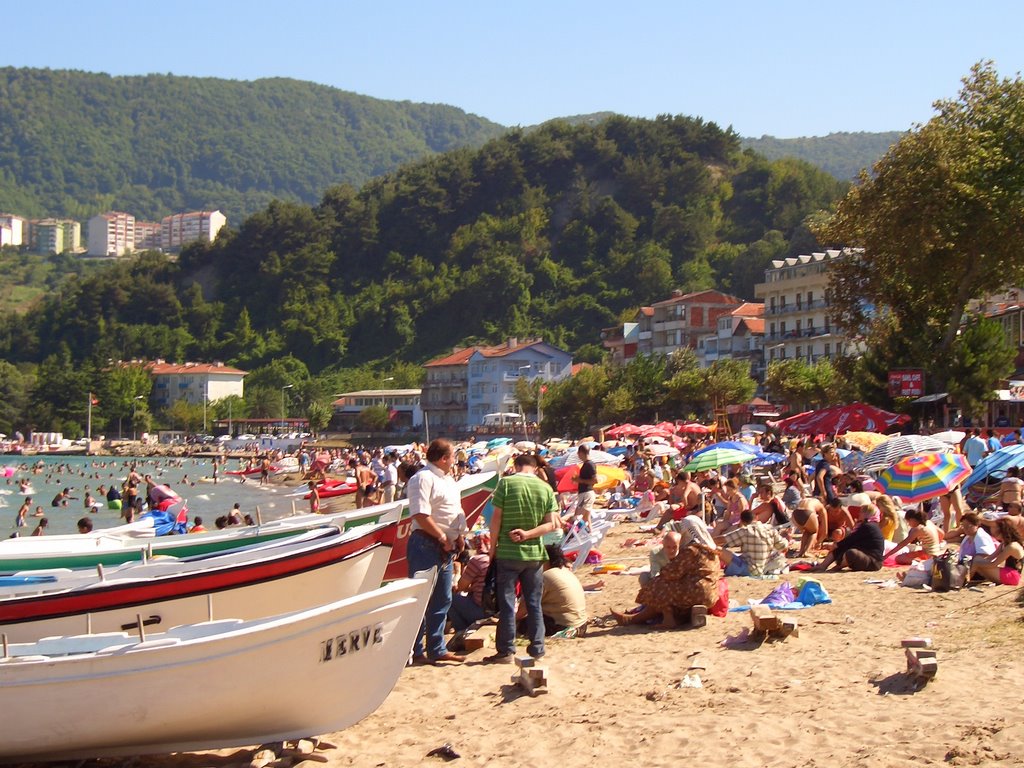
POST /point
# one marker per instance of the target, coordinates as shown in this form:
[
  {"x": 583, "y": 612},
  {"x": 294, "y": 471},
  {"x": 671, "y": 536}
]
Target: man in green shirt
[{"x": 525, "y": 509}]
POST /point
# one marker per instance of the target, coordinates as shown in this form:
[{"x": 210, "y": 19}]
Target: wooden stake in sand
[{"x": 531, "y": 678}]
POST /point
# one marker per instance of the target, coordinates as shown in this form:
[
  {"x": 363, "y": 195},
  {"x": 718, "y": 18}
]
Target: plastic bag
[{"x": 813, "y": 593}]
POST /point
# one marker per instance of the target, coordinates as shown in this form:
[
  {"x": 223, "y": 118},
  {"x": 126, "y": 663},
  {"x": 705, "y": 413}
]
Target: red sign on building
[{"x": 906, "y": 383}]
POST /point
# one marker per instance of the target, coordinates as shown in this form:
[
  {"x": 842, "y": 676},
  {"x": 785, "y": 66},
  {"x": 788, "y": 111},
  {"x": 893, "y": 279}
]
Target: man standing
[
  {"x": 389, "y": 479},
  {"x": 585, "y": 495},
  {"x": 438, "y": 525},
  {"x": 974, "y": 448},
  {"x": 525, "y": 509}
]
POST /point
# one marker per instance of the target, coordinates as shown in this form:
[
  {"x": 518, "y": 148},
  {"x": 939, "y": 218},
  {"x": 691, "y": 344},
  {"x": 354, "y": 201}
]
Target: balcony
[{"x": 672, "y": 324}]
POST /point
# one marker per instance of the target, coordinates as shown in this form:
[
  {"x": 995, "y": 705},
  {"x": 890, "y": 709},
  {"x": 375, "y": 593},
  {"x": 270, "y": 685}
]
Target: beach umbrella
[
  {"x": 996, "y": 464},
  {"x": 526, "y": 445},
  {"x": 768, "y": 459},
  {"x": 924, "y": 476},
  {"x": 717, "y": 457},
  {"x": 596, "y": 456},
  {"x": 950, "y": 436},
  {"x": 660, "y": 449},
  {"x": 623, "y": 429},
  {"x": 732, "y": 445},
  {"x": 865, "y": 441},
  {"x": 895, "y": 448},
  {"x": 498, "y": 442},
  {"x": 693, "y": 428},
  {"x": 838, "y": 419},
  {"x": 607, "y": 478}
]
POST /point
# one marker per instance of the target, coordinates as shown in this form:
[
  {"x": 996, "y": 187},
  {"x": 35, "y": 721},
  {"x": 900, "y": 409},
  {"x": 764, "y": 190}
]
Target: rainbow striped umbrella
[{"x": 924, "y": 476}]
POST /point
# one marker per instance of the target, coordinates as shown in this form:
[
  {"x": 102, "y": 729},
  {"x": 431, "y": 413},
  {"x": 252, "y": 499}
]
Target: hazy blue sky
[{"x": 780, "y": 68}]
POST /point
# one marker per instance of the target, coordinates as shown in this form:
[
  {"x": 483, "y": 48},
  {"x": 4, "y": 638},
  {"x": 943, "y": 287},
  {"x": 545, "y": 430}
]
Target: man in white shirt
[{"x": 438, "y": 528}]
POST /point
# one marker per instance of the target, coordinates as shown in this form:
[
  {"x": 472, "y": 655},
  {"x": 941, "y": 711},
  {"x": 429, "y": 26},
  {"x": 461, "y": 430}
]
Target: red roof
[
  {"x": 460, "y": 357},
  {"x": 749, "y": 309},
  {"x": 647, "y": 311},
  {"x": 702, "y": 297},
  {"x": 753, "y": 325},
  {"x": 577, "y": 367},
  {"x": 168, "y": 369}
]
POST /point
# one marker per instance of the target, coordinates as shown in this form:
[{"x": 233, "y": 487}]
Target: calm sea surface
[{"x": 190, "y": 478}]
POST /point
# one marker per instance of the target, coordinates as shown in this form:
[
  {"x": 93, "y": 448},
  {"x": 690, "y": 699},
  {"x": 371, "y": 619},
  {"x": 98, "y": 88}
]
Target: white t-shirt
[
  {"x": 432, "y": 492},
  {"x": 978, "y": 544}
]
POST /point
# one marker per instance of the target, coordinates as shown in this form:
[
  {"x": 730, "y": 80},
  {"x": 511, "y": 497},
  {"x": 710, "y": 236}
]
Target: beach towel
[{"x": 811, "y": 593}]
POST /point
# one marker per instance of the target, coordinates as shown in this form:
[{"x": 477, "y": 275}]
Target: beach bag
[
  {"x": 489, "y": 596},
  {"x": 947, "y": 573},
  {"x": 919, "y": 573},
  {"x": 721, "y": 606}
]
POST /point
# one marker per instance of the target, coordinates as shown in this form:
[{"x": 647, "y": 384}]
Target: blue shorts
[{"x": 737, "y": 567}]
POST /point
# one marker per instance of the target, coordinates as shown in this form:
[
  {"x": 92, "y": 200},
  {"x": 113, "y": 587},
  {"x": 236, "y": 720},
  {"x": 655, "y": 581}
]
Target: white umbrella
[
  {"x": 660, "y": 449},
  {"x": 951, "y": 436},
  {"x": 895, "y": 448},
  {"x": 526, "y": 445},
  {"x": 596, "y": 456}
]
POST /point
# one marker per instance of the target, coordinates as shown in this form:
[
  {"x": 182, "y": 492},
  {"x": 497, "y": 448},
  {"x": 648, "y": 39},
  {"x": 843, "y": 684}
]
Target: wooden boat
[
  {"x": 209, "y": 685},
  {"x": 73, "y": 552},
  {"x": 323, "y": 566}
]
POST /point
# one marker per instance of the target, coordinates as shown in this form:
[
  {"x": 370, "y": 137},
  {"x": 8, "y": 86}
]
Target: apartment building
[
  {"x": 795, "y": 296},
  {"x": 630, "y": 339},
  {"x": 194, "y": 382},
  {"x": 111, "y": 234},
  {"x": 147, "y": 235},
  {"x": 682, "y": 320},
  {"x": 180, "y": 229},
  {"x": 55, "y": 236},
  {"x": 462, "y": 388},
  {"x": 13, "y": 229},
  {"x": 739, "y": 336}
]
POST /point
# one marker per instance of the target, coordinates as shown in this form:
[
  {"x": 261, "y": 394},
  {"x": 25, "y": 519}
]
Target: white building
[
  {"x": 194, "y": 382},
  {"x": 403, "y": 406},
  {"x": 13, "y": 229},
  {"x": 795, "y": 295},
  {"x": 180, "y": 229},
  {"x": 111, "y": 234}
]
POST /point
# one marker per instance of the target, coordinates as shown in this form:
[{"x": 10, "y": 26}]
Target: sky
[{"x": 783, "y": 68}]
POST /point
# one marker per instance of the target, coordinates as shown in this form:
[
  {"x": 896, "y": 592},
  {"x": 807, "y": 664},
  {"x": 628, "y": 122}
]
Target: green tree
[
  {"x": 185, "y": 416},
  {"x": 373, "y": 418},
  {"x": 319, "y": 415},
  {"x": 944, "y": 202},
  {"x": 15, "y": 386},
  {"x": 982, "y": 357}
]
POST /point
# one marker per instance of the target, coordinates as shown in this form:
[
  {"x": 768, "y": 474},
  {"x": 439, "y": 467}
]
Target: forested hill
[
  {"x": 841, "y": 154},
  {"x": 557, "y": 232},
  {"x": 76, "y": 143}
]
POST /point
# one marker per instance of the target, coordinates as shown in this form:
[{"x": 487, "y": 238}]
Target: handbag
[
  {"x": 489, "y": 596},
  {"x": 947, "y": 573}
]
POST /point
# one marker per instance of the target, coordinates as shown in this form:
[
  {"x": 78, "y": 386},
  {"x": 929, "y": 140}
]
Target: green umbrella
[{"x": 718, "y": 457}]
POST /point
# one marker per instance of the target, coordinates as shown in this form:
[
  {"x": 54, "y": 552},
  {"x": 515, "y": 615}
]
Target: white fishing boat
[
  {"x": 323, "y": 566},
  {"x": 209, "y": 685},
  {"x": 71, "y": 551}
]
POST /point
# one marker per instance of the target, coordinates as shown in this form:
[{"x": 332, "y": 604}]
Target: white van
[{"x": 499, "y": 419}]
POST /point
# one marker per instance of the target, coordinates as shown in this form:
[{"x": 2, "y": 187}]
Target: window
[
  {"x": 772, "y": 331},
  {"x": 798, "y": 322},
  {"x": 828, "y": 350},
  {"x": 782, "y": 327}
]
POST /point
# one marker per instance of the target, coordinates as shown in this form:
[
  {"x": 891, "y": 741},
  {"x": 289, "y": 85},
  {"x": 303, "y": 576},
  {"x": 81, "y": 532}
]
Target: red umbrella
[
  {"x": 649, "y": 430},
  {"x": 668, "y": 426},
  {"x": 623, "y": 429},
  {"x": 695, "y": 429},
  {"x": 856, "y": 417}
]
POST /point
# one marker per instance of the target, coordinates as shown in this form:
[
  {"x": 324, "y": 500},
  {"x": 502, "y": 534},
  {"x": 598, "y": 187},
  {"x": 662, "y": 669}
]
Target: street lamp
[
  {"x": 205, "y": 400},
  {"x": 135, "y": 409},
  {"x": 284, "y": 403}
]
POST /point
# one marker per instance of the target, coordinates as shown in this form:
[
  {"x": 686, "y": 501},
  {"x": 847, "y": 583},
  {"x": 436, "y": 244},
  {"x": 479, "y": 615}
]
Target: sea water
[{"x": 189, "y": 478}]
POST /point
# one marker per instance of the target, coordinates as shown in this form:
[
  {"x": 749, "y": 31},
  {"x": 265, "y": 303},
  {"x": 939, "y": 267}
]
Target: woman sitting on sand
[
  {"x": 1004, "y": 566},
  {"x": 923, "y": 532},
  {"x": 690, "y": 579},
  {"x": 735, "y": 503}
]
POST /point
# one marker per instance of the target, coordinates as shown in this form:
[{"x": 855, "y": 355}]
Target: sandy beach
[{"x": 837, "y": 695}]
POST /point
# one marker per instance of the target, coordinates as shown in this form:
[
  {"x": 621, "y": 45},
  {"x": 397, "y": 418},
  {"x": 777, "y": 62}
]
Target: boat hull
[
  {"x": 253, "y": 585},
  {"x": 210, "y": 686}
]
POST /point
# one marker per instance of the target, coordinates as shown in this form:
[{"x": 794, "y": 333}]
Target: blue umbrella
[
  {"x": 996, "y": 464},
  {"x": 734, "y": 445},
  {"x": 768, "y": 459}
]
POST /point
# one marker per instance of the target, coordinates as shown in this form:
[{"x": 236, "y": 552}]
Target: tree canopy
[{"x": 939, "y": 222}]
